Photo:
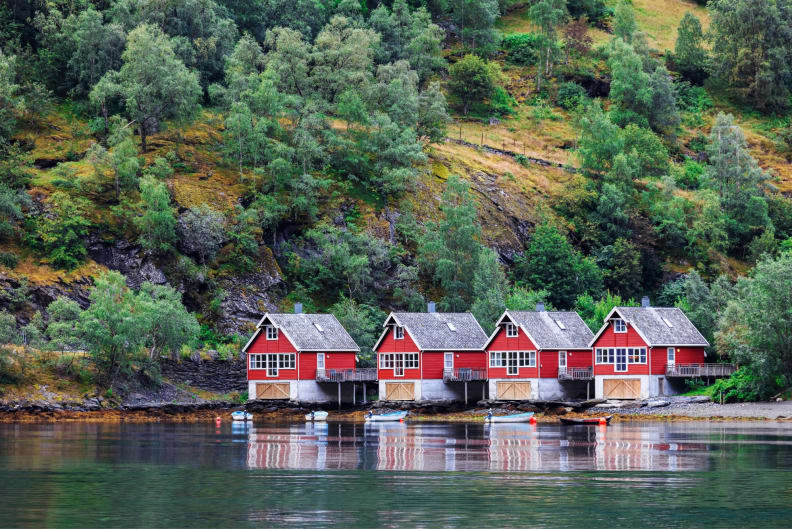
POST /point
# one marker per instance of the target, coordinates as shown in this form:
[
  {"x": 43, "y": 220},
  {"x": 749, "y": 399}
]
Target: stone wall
[{"x": 222, "y": 376}]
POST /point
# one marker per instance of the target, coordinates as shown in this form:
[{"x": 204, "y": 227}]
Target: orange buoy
[
  {"x": 603, "y": 421},
  {"x": 218, "y": 420},
  {"x": 532, "y": 420}
]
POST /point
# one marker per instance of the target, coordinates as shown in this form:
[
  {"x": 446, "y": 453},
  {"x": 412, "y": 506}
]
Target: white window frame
[
  {"x": 320, "y": 361},
  {"x": 399, "y": 362},
  {"x": 562, "y": 360},
  {"x": 671, "y": 356},
  {"x": 512, "y": 331},
  {"x": 639, "y": 352},
  {"x": 272, "y": 363},
  {"x": 398, "y": 333},
  {"x": 512, "y": 360},
  {"x": 617, "y": 364},
  {"x": 271, "y": 331},
  {"x": 619, "y": 323},
  {"x": 448, "y": 361}
]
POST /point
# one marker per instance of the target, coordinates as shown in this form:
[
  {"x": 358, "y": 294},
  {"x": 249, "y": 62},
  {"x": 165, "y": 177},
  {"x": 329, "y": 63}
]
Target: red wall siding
[
  {"x": 262, "y": 345},
  {"x": 684, "y": 355},
  {"x": 627, "y": 339},
  {"x": 549, "y": 364},
  {"x": 434, "y": 362},
  {"x": 307, "y": 363},
  {"x": 579, "y": 358},
  {"x": 520, "y": 343},
  {"x": 390, "y": 345}
]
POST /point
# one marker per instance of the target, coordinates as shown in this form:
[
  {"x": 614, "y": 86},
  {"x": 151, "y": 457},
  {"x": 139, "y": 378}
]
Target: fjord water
[{"x": 692, "y": 474}]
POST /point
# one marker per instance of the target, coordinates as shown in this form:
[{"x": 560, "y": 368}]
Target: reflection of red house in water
[{"x": 644, "y": 351}]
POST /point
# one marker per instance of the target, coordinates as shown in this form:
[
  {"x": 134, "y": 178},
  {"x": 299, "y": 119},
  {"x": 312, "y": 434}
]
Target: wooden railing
[
  {"x": 366, "y": 374},
  {"x": 700, "y": 370},
  {"x": 464, "y": 374},
  {"x": 575, "y": 373}
]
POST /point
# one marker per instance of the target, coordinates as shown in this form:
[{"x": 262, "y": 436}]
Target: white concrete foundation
[
  {"x": 312, "y": 391},
  {"x": 436, "y": 389},
  {"x": 651, "y": 385}
]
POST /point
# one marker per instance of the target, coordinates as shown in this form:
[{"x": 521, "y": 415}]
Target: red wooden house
[
  {"x": 538, "y": 355},
  {"x": 642, "y": 352},
  {"x": 303, "y": 357},
  {"x": 431, "y": 356}
]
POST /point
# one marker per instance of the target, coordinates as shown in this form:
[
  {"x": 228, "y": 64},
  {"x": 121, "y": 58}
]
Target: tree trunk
[{"x": 142, "y": 129}]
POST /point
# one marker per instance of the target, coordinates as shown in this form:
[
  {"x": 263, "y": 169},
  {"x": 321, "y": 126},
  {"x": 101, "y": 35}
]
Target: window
[
  {"x": 318, "y": 327},
  {"x": 398, "y": 361},
  {"x": 320, "y": 360},
  {"x": 451, "y": 326},
  {"x": 668, "y": 323},
  {"x": 513, "y": 359},
  {"x": 605, "y": 356},
  {"x": 562, "y": 358},
  {"x": 411, "y": 361},
  {"x": 399, "y": 333},
  {"x": 636, "y": 355},
  {"x": 561, "y": 325},
  {"x": 272, "y": 332},
  {"x": 448, "y": 361},
  {"x": 632, "y": 355},
  {"x": 511, "y": 330},
  {"x": 619, "y": 326},
  {"x": 671, "y": 355},
  {"x": 272, "y": 362}
]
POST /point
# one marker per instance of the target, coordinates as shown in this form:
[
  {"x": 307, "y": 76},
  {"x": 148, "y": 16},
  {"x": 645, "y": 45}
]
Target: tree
[
  {"x": 11, "y": 203},
  {"x": 594, "y": 311},
  {"x": 432, "y": 114},
  {"x": 630, "y": 86},
  {"x": 620, "y": 263},
  {"x": 97, "y": 48},
  {"x": 63, "y": 326},
  {"x": 475, "y": 20},
  {"x": 576, "y": 37},
  {"x": 551, "y": 263},
  {"x": 363, "y": 323},
  {"x": 624, "y": 25},
  {"x": 449, "y": 250},
  {"x": 288, "y": 58},
  {"x": 201, "y": 231},
  {"x": 548, "y": 15},
  {"x": 472, "y": 80},
  {"x": 663, "y": 113},
  {"x": 157, "y": 223},
  {"x": 690, "y": 57},
  {"x": 489, "y": 290},
  {"x": 153, "y": 83},
  {"x": 124, "y": 159},
  {"x": 754, "y": 327},
  {"x": 737, "y": 178},
  {"x": 394, "y": 153},
  {"x": 10, "y": 103},
  {"x": 520, "y": 298},
  {"x": 63, "y": 233},
  {"x": 751, "y": 43}
]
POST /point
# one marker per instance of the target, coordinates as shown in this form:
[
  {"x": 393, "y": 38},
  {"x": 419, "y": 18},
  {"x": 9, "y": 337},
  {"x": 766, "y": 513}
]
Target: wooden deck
[
  {"x": 367, "y": 374},
  {"x": 700, "y": 370},
  {"x": 464, "y": 374},
  {"x": 576, "y": 373}
]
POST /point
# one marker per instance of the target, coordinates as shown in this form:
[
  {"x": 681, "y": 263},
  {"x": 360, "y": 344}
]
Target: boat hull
[
  {"x": 589, "y": 421},
  {"x": 387, "y": 417},
  {"x": 520, "y": 417},
  {"x": 317, "y": 416},
  {"x": 241, "y": 416}
]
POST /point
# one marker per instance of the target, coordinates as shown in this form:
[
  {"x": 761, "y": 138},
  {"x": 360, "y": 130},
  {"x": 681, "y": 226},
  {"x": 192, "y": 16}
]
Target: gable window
[
  {"x": 398, "y": 333},
  {"x": 619, "y": 326},
  {"x": 272, "y": 332},
  {"x": 511, "y": 330}
]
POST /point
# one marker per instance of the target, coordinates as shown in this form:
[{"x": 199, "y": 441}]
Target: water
[{"x": 693, "y": 474}]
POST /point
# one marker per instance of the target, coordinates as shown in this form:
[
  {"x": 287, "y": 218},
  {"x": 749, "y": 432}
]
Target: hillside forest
[{"x": 171, "y": 169}]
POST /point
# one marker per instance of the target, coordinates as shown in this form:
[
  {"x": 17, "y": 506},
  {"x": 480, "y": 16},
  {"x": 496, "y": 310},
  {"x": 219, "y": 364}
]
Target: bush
[
  {"x": 570, "y": 95},
  {"x": 11, "y": 367},
  {"x": 690, "y": 98},
  {"x": 8, "y": 259},
  {"x": 501, "y": 102},
  {"x": 690, "y": 176},
  {"x": 523, "y": 48},
  {"x": 743, "y": 386}
]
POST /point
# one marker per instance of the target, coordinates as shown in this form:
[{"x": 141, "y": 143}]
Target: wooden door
[
  {"x": 508, "y": 390},
  {"x": 273, "y": 390},
  {"x": 620, "y": 388},
  {"x": 399, "y": 391}
]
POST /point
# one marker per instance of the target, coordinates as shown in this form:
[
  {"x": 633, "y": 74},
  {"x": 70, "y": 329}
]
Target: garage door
[
  {"x": 399, "y": 391},
  {"x": 514, "y": 390},
  {"x": 620, "y": 388},
  {"x": 272, "y": 391}
]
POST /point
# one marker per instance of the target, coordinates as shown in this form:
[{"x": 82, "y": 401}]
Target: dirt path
[{"x": 761, "y": 410}]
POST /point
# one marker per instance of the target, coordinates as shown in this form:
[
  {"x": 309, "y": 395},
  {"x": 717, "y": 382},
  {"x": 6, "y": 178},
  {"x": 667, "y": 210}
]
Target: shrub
[
  {"x": 690, "y": 98},
  {"x": 11, "y": 367},
  {"x": 570, "y": 95},
  {"x": 502, "y": 102},
  {"x": 743, "y": 386},
  {"x": 690, "y": 176},
  {"x": 8, "y": 259},
  {"x": 523, "y": 48}
]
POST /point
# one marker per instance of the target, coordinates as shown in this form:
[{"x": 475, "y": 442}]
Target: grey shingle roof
[
  {"x": 305, "y": 336},
  {"x": 547, "y": 334},
  {"x": 431, "y": 332},
  {"x": 649, "y": 323}
]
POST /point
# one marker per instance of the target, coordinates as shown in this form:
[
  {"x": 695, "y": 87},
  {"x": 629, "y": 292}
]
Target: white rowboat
[
  {"x": 316, "y": 416},
  {"x": 386, "y": 417},
  {"x": 516, "y": 417},
  {"x": 241, "y": 416}
]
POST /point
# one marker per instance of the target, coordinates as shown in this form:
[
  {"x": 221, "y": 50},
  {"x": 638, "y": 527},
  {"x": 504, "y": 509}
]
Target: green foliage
[
  {"x": 449, "y": 250},
  {"x": 621, "y": 268},
  {"x": 201, "y": 231},
  {"x": 596, "y": 11},
  {"x": 475, "y": 21},
  {"x": 9, "y": 334},
  {"x": 63, "y": 326},
  {"x": 243, "y": 234},
  {"x": 62, "y": 234},
  {"x": 691, "y": 175},
  {"x": 473, "y": 80},
  {"x": 11, "y": 203},
  {"x": 153, "y": 83},
  {"x": 631, "y": 89},
  {"x": 10, "y": 102},
  {"x": 520, "y": 298},
  {"x": 548, "y": 15},
  {"x": 570, "y": 95},
  {"x": 551, "y": 263},
  {"x": 624, "y": 24},
  {"x": 363, "y": 322},
  {"x": 489, "y": 290},
  {"x": 744, "y": 385},
  {"x": 157, "y": 224},
  {"x": 593, "y": 311},
  {"x": 690, "y": 57},
  {"x": 523, "y": 48},
  {"x": 12, "y": 367},
  {"x": 754, "y": 63}
]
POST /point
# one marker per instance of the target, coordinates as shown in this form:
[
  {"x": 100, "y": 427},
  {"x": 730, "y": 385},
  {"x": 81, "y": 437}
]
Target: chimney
[
  {"x": 298, "y": 308},
  {"x": 540, "y": 307},
  {"x": 645, "y": 302},
  {"x": 430, "y": 307}
]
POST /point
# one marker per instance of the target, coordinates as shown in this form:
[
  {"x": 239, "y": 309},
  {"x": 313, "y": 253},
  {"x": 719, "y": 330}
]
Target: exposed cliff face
[
  {"x": 25, "y": 299},
  {"x": 217, "y": 375},
  {"x": 129, "y": 259}
]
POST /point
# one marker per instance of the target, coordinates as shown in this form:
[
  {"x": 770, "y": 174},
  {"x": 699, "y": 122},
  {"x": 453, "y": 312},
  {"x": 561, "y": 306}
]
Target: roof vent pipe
[
  {"x": 430, "y": 307},
  {"x": 645, "y": 302},
  {"x": 298, "y": 308},
  {"x": 540, "y": 307}
]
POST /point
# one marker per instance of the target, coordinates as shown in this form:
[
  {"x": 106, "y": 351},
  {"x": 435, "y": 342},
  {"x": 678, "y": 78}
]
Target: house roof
[
  {"x": 309, "y": 332},
  {"x": 545, "y": 332},
  {"x": 658, "y": 326},
  {"x": 438, "y": 331}
]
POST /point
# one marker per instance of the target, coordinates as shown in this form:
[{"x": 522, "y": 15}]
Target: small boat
[
  {"x": 587, "y": 420},
  {"x": 386, "y": 417},
  {"x": 240, "y": 415},
  {"x": 316, "y": 416},
  {"x": 515, "y": 417}
]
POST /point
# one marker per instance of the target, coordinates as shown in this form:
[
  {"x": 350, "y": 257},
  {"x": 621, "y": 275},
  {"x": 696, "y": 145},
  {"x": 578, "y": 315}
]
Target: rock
[
  {"x": 700, "y": 399},
  {"x": 129, "y": 259},
  {"x": 218, "y": 376},
  {"x": 657, "y": 403}
]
